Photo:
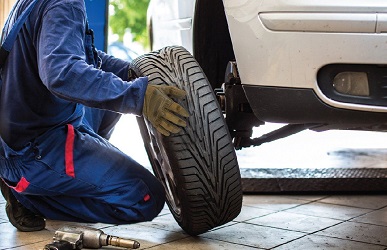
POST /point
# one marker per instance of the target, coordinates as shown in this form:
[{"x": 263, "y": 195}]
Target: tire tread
[{"x": 205, "y": 164}]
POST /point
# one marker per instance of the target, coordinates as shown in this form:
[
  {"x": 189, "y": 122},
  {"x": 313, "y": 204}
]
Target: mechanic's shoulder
[{"x": 63, "y": 4}]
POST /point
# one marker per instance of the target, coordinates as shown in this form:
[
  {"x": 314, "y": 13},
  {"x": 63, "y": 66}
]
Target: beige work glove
[{"x": 164, "y": 113}]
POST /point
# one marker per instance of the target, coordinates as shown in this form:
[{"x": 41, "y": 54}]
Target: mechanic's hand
[{"x": 164, "y": 114}]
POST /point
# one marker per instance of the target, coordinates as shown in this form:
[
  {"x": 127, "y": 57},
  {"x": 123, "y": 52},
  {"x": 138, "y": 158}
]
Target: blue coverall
[{"x": 57, "y": 110}]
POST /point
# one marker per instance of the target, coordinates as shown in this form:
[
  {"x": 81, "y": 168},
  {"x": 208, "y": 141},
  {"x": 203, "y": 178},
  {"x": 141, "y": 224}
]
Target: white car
[
  {"x": 299, "y": 61},
  {"x": 311, "y": 64}
]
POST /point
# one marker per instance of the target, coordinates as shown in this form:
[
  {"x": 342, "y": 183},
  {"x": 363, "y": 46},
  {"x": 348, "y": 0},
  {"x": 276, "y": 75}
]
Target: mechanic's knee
[{"x": 153, "y": 203}]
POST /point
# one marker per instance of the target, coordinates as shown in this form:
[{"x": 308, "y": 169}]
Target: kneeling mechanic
[{"x": 60, "y": 100}]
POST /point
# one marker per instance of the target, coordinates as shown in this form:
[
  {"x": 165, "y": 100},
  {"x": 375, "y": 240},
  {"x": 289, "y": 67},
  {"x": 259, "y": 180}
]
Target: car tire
[{"x": 197, "y": 166}]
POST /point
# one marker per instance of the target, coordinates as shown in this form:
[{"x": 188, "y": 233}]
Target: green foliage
[{"x": 129, "y": 14}]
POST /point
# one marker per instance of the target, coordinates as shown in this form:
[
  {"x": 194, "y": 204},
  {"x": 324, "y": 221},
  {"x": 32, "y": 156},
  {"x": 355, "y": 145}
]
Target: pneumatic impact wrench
[{"x": 77, "y": 237}]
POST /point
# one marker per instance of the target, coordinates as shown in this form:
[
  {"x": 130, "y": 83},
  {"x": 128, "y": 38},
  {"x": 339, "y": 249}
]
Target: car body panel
[
  {"x": 171, "y": 22},
  {"x": 279, "y": 55}
]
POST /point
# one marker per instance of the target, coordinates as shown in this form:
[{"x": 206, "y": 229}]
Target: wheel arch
[{"x": 212, "y": 46}]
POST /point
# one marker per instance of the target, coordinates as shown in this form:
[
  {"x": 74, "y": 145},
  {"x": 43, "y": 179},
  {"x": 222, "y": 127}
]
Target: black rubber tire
[{"x": 198, "y": 166}]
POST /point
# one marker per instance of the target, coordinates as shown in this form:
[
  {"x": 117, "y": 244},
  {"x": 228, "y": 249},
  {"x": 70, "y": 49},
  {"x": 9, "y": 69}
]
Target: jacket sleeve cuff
[{"x": 140, "y": 84}]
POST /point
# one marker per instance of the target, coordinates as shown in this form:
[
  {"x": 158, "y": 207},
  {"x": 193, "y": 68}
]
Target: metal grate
[{"x": 314, "y": 180}]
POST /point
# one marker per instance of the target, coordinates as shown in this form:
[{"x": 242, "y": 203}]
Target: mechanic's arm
[
  {"x": 114, "y": 65},
  {"x": 63, "y": 69},
  {"x": 159, "y": 108}
]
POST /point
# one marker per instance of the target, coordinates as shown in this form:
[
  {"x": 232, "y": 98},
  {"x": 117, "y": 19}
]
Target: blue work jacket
[{"x": 49, "y": 75}]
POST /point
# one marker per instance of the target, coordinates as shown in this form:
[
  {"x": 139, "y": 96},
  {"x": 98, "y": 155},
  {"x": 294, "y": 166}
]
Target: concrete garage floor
[
  {"x": 266, "y": 222},
  {"x": 318, "y": 221}
]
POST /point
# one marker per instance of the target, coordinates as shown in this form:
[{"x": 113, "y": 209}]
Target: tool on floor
[{"x": 78, "y": 237}]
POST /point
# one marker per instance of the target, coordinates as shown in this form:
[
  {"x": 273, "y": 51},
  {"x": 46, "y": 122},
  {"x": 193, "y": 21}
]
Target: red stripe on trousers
[
  {"x": 147, "y": 197},
  {"x": 22, "y": 185},
  {"x": 69, "y": 149}
]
